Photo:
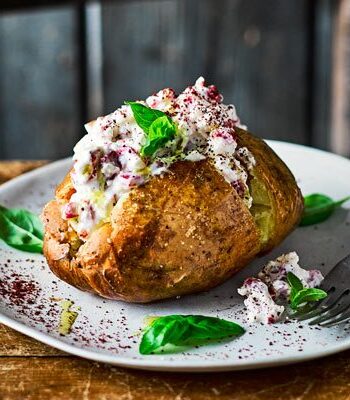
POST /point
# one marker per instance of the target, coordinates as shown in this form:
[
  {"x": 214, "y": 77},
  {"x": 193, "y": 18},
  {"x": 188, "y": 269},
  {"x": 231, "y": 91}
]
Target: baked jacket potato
[{"x": 185, "y": 232}]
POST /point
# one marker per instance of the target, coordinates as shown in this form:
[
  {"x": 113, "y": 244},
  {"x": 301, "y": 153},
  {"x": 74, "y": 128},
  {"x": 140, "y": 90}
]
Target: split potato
[{"x": 185, "y": 232}]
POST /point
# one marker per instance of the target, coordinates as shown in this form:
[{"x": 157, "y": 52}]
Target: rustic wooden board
[
  {"x": 258, "y": 58},
  {"x": 11, "y": 169},
  {"x": 272, "y": 59},
  {"x": 323, "y": 73},
  {"x": 262, "y": 59},
  {"x": 38, "y": 84},
  {"x": 340, "y": 140},
  {"x": 33, "y": 378},
  {"x": 15, "y": 344}
]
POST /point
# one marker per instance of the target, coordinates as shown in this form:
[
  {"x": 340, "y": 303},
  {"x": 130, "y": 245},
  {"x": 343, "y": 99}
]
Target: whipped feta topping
[
  {"x": 271, "y": 287},
  {"x": 259, "y": 303},
  {"x": 274, "y": 274},
  {"x": 108, "y": 163}
]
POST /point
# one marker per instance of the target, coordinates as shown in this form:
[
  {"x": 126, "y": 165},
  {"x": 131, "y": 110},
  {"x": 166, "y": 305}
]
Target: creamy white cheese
[
  {"x": 259, "y": 303},
  {"x": 108, "y": 164},
  {"x": 274, "y": 274},
  {"x": 271, "y": 286}
]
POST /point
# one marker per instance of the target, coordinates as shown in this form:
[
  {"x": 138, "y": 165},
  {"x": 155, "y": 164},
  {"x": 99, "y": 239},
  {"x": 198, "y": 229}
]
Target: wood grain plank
[
  {"x": 262, "y": 65},
  {"x": 38, "y": 84},
  {"x": 73, "y": 378},
  {"x": 257, "y": 58},
  {"x": 30, "y": 4},
  {"x": 321, "y": 112},
  {"x": 162, "y": 44},
  {"x": 340, "y": 85},
  {"x": 11, "y": 169},
  {"x": 15, "y": 344}
]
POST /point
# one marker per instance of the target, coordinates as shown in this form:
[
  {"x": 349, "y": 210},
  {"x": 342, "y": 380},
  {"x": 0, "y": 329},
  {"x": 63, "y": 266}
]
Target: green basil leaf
[
  {"x": 144, "y": 116},
  {"x": 159, "y": 128},
  {"x": 294, "y": 283},
  {"x": 307, "y": 295},
  {"x": 211, "y": 328},
  {"x": 160, "y": 132},
  {"x": 163, "y": 331},
  {"x": 186, "y": 330},
  {"x": 318, "y": 208},
  {"x": 21, "y": 229},
  {"x": 299, "y": 294}
]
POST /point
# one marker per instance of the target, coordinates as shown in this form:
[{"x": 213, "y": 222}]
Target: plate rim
[{"x": 163, "y": 364}]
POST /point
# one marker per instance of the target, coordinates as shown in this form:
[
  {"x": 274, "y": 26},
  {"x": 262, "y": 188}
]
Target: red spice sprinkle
[{"x": 18, "y": 291}]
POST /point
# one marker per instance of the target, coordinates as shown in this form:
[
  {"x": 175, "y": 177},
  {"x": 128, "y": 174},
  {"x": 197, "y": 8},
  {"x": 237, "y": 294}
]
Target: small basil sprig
[
  {"x": 185, "y": 330},
  {"x": 158, "y": 127},
  {"x": 299, "y": 294},
  {"x": 318, "y": 208},
  {"x": 144, "y": 116},
  {"x": 295, "y": 284},
  {"x": 21, "y": 229},
  {"x": 160, "y": 132}
]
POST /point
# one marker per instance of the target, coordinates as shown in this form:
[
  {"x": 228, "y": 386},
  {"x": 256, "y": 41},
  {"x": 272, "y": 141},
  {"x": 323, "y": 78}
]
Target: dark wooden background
[{"x": 65, "y": 64}]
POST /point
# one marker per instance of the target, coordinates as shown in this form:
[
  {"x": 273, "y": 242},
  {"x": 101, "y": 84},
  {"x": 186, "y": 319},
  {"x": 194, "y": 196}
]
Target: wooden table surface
[{"x": 30, "y": 370}]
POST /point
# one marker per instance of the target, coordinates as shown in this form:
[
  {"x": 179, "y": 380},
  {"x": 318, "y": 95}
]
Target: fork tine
[
  {"x": 308, "y": 307},
  {"x": 318, "y": 307},
  {"x": 334, "y": 308},
  {"x": 314, "y": 312},
  {"x": 334, "y": 312},
  {"x": 308, "y": 311},
  {"x": 303, "y": 310},
  {"x": 344, "y": 317}
]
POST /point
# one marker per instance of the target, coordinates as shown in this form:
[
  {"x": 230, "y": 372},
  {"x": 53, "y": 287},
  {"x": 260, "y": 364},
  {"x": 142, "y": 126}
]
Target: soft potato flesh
[
  {"x": 182, "y": 233},
  {"x": 277, "y": 200}
]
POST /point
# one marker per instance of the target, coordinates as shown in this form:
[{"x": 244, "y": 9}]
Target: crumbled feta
[
  {"x": 274, "y": 274},
  {"x": 108, "y": 164},
  {"x": 221, "y": 142},
  {"x": 194, "y": 156},
  {"x": 271, "y": 286},
  {"x": 259, "y": 303}
]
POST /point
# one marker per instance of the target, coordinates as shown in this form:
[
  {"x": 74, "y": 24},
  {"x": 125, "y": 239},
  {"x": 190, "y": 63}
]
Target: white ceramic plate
[{"x": 108, "y": 331}]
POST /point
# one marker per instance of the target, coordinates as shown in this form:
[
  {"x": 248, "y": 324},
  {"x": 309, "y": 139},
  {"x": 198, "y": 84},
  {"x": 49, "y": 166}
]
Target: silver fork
[{"x": 335, "y": 308}]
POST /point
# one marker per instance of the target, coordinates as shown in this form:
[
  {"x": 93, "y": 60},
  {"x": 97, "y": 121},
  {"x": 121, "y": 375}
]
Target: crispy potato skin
[{"x": 185, "y": 232}]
